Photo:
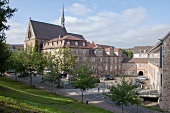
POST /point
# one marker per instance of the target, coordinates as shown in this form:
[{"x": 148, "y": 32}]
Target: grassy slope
[{"x": 20, "y": 98}]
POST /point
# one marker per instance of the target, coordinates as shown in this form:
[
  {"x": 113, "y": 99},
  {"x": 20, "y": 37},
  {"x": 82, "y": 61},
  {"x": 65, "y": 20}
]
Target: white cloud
[
  {"x": 125, "y": 29},
  {"x": 78, "y": 9},
  {"x": 16, "y": 34}
]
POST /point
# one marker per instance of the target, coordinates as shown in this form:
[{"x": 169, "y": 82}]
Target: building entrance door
[{"x": 140, "y": 73}]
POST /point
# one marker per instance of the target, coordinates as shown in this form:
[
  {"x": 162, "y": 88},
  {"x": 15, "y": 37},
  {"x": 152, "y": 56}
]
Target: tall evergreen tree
[{"x": 5, "y": 13}]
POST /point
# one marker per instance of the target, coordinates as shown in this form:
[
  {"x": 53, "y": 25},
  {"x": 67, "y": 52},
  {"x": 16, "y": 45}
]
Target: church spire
[{"x": 62, "y": 18}]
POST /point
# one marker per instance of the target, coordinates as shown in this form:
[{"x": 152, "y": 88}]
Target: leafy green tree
[
  {"x": 123, "y": 94},
  {"x": 5, "y": 53},
  {"x": 84, "y": 80},
  {"x": 32, "y": 61},
  {"x": 124, "y": 52},
  {"x": 51, "y": 73},
  {"x": 61, "y": 61},
  {"x": 16, "y": 63},
  {"x": 67, "y": 60},
  {"x": 35, "y": 49},
  {"x": 5, "y": 13},
  {"x": 130, "y": 54}
]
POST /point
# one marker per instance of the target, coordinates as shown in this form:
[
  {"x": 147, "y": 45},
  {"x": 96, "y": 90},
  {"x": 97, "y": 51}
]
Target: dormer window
[
  {"x": 84, "y": 44},
  {"x": 68, "y": 43},
  {"x": 100, "y": 59},
  {"x": 76, "y": 43}
]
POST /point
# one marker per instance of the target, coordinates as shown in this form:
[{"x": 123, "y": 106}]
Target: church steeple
[{"x": 62, "y": 18}]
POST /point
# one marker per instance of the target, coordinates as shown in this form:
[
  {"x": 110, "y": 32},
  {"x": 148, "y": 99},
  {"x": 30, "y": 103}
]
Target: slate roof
[
  {"x": 135, "y": 60},
  {"x": 160, "y": 42},
  {"x": 140, "y": 49},
  {"x": 47, "y": 31},
  {"x": 77, "y": 35},
  {"x": 104, "y": 46}
]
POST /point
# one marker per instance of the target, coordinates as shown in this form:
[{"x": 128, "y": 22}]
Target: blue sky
[{"x": 119, "y": 23}]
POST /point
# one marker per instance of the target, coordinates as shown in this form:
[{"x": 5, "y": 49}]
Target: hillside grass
[{"x": 16, "y": 97}]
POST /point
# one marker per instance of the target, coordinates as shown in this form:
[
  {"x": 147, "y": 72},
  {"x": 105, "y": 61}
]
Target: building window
[
  {"x": 92, "y": 59},
  {"x": 161, "y": 79},
  {"x": 92, "y": 68},
  {"x": 106, "y": 67},
  {"x": 100, "y": 59},
  {"x": 101, "y": 53},
  {"x": 77, "y": 51},
  {"x": 76, "y": 43},
  {"x": 115, "y": 67},
  {"x": 84, "y": 44},
  {"x": 106, "y": 59},
  {"x": 84, "y": 51},
  {"x": 84, "y": 58},
  {"x": 111, "y": 68},
  {"x": 68, "y": 43},
  {"x": 77, "y": 59}
]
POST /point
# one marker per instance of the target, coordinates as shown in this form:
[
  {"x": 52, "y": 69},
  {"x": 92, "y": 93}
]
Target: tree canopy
[
  {"x": 128, "y": 54},
  {"x": 123, "y": 93},
  {"x": 5, "y": 13},
  {"x": 84, "y": 79}
]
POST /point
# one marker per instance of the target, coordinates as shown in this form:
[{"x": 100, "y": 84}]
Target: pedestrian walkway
[{"x": 93, "y": 96}]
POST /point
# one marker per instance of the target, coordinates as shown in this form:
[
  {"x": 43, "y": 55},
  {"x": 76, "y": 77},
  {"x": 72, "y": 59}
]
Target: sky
[{"x": 118, "y": 23}]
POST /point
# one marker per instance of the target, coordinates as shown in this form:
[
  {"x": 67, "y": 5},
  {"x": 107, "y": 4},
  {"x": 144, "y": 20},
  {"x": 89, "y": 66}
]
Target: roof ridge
[{"x": 44, "y": 23}]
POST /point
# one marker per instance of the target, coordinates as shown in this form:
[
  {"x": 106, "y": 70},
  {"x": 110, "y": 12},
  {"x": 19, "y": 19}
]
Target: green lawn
[{"x": 20, "y": 98}]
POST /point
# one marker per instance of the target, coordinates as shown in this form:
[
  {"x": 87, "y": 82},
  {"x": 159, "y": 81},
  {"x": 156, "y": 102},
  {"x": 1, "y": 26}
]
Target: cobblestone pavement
[{"x": 128, "y": 109}]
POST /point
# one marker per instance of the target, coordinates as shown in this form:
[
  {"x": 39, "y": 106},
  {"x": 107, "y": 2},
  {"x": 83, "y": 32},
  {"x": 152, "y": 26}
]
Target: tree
[
  {"x": 129, "y": 54},
  {"x": 51, "y": 69},
  {"x": 67, "y": 60},
  {"x": 32, "y": 61},
  {"x": 84, "y": 80},
  {"x": 5, "y": 13},
  {"x": 124, "y": 52},
  {"x": 16, "y": 63},
  {"x": 35, "y": 49},
  {"x": 5, "y": 53},
  {"x": 123, "y": 94},
  {"x": 61, "y": 61}
]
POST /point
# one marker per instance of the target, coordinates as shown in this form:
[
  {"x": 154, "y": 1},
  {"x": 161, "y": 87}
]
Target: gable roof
[
  {"x": 160, "y": 42},
  {"x": 77, "y": 35},
  {"x": 71, "y": 37},
  {"x": 47, "y": 31},
  {"x": 135, "y": 60},
  {"x": 140, "y": 49}
]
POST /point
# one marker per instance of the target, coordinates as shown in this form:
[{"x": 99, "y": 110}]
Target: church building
[{"x": 103, "y": 59}]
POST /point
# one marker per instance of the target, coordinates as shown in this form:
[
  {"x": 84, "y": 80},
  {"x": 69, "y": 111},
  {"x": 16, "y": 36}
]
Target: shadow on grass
[{"x": 27, "y": 99}]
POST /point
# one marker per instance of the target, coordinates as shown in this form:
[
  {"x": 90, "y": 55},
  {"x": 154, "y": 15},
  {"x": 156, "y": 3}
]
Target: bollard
[{"x": 87, "y": 102}]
